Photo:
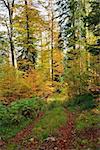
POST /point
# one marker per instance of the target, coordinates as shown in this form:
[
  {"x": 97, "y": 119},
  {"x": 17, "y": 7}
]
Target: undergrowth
[
  {"x": 18, "y": 115},
  {"x": 49, "y": 123},
  {"x": 81, "y": 102},
  {"x": 87, "y": 119}
]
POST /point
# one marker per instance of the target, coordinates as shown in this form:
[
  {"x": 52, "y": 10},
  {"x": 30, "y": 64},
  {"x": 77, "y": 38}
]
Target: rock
[
  {"x": 42, "y": 148},
  {"x": 64, "y": 141},
  {"x": 51, "y": 139},
  {"x": 55, "y": 148},
  {"x": 31, "y": 140}
]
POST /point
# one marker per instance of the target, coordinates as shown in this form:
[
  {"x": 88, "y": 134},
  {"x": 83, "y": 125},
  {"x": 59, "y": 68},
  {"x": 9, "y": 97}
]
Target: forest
[{"x": 49, "y": 74}]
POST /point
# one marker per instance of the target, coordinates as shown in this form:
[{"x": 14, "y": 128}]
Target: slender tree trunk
[
  {"x": 41, "y": 50},
  {"x": 84, "y": 10},
  {"x": 51, "y": 19},
  {"x": 73, "y": 23},
  {"x": 52, "y": 47},
  {"x": 27, "y": 25},
  {"x": 11, "y": 44},
  {"x": 10, "y": 10}
]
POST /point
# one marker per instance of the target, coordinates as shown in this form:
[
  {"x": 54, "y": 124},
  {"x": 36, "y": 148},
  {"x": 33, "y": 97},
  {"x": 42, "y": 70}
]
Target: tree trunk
[
  {"x": 27, "y": 26},
  {"x": 10, "y": 10},
  {"x": 52, "y": 47},
  {"x": 51, "y": 18}
]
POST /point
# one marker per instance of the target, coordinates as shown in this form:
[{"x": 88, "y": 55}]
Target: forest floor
[{"x": 66, "y": 138}]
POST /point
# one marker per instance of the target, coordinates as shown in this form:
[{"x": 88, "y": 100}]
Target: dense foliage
[
  {"x": 18, "y": 115},
  {"x": 82, "y": 102}
]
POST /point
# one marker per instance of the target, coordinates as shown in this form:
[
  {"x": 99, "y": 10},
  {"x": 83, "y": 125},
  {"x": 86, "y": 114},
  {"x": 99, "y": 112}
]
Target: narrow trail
[
  {"x": 67, "y": 134},
  {"x": 65, "y": 139},
  {"x": 26, "y": 131}
]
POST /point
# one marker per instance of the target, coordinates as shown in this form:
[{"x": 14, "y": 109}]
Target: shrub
[
  {"x": 18, "y": 114},
  {"x": 4, "y": 114},
  {"x": 12, "y": 85},
  {"x": 28, "y": 108},
  {"x": 83, "y": 102}
]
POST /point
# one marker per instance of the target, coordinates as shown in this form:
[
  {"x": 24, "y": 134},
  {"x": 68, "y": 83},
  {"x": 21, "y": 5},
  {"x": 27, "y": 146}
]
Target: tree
[
  {"x": 66, "y": 21},
  {"x": 9, "y": 5},
  {"x": 72, "y": 27},
  {"x": 27, "y": 31},
  {"x": 93, "y": 23}
]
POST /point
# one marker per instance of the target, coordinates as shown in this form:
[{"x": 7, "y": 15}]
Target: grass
[
  {"x": 54, "y": 104},
  {"x": 87, "y": 120},
  {"x": 20, "y": 114},
  {"x": 11, "y": 147},
  {"x": 49, "y": 123},
  {"x": 7, "y": 132}
]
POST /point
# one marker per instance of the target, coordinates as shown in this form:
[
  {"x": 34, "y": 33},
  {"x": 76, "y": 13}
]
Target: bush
[
  {"x": 12, "y": 85},
  {"x": 18, "y": 114},
  {"x": 49, "y": 123},
  {"x": 4, "y": 114},
  {"x": 27, "y": 107},
  {"x": 83, "y": 102}
]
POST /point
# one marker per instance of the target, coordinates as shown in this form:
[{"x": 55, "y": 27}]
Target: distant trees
[
  {"x": 57, "y": 51},
  {"x": 79, "y": 28},
  {"x": 70, "y": 15}
]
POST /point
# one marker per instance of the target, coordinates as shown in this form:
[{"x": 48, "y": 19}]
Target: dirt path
[
  {"x": 25, "y": 132},
  {"x": 65, "y": 139}
]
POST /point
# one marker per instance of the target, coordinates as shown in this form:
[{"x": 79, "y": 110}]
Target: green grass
[
  {"x": 7, "y": 132},
  {"x": 86, "y": 120},
  {"x": 49, "y": 123},
  {"x": 12, "y": 147},
  {"x": 54, "y": 104}
]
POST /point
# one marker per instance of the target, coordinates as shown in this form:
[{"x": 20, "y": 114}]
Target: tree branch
[
  {"x": 12, "y": 6},
  {"x": 4, "y": 2},
  {"x": 13, "y": 3}
]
